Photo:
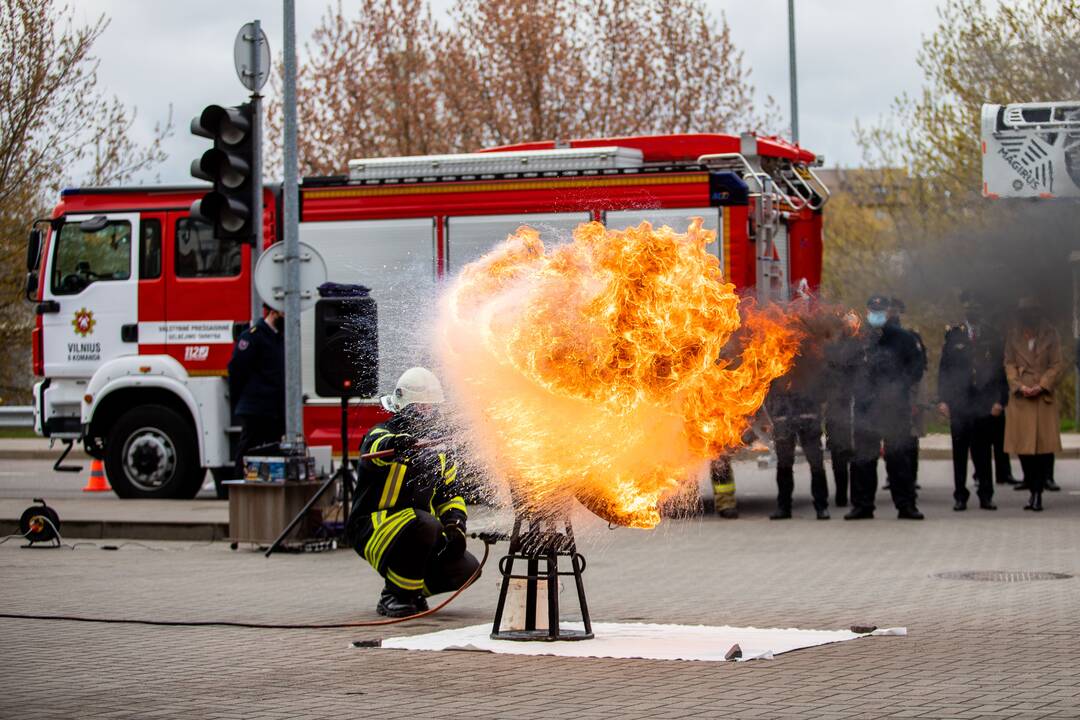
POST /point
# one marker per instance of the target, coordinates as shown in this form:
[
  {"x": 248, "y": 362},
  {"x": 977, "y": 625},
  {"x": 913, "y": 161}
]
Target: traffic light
[{"x": 229, "y": 166}]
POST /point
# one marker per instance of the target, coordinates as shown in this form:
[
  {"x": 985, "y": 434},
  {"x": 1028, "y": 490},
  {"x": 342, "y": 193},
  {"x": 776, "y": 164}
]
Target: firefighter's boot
[
  {"x": 397, "y": 605},
  {"x": 723, "y": 484},
  {"x": 785, "y": 488}
]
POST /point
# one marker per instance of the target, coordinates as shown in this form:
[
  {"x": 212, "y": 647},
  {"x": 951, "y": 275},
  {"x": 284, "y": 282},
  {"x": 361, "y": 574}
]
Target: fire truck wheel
[{"x": 152, "y": 453}]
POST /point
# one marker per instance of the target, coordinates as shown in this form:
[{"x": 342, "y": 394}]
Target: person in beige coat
[{"x": 1033, "y": 365}]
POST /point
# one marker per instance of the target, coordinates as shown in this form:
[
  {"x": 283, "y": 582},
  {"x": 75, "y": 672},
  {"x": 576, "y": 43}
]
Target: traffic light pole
[
  {"x": 294, "y": 402},
  {"x": 256, "y": 171}
]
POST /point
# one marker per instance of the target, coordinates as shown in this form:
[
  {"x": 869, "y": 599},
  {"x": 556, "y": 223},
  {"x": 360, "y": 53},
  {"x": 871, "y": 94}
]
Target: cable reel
[{"x": 40, "y": 524}]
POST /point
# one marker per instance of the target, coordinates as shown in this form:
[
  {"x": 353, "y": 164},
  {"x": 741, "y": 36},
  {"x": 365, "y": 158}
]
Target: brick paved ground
[{"x": 992, "y": 650}]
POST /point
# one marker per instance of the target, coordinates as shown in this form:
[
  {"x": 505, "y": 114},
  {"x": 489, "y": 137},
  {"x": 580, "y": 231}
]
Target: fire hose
[{"x": 488, "y": 538}]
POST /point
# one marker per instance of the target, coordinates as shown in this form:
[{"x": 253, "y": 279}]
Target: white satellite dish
[{"x": 270, "y": 275}]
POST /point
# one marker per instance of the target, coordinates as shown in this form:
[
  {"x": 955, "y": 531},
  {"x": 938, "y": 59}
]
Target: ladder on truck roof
[
  {"x": 496, "y": 163},
  {"x": 771, "y": 181}
]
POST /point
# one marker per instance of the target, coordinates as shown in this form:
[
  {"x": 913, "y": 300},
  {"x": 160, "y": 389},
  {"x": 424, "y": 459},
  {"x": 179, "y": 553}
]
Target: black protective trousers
[
  {"x": 972, "y": 435},
  {"x": 255, "y": 432},
  {"x": 807, "y": 432},
  {"x": 898, "y": 442},
  {"x": 418, "y": 553},
  {"x": 838, "y": 440}
]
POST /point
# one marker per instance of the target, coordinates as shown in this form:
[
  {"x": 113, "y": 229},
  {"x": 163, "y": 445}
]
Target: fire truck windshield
[{"x": 84, "y": 257}]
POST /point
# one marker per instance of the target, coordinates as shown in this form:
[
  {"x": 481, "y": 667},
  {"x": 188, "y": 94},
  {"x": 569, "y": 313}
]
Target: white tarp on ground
[{"x": 639, "y": 640}]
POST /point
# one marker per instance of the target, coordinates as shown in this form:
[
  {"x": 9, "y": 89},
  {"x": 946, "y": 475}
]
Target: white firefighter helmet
[{"x": 416, "y": 385}]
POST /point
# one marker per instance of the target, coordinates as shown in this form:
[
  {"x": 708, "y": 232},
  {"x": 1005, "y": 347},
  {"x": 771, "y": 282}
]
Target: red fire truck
[{"x": 138, "y": 304}]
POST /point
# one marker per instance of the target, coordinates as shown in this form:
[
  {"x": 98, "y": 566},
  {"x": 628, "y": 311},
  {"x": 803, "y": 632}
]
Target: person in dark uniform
[
  {"x": 794, "y": 406},
  {"x": 408, "y": 519},
  {"x": 890, "y": 367},
  {"x": 841, "y": 361},
  {"x": 973, "y": 392},
  {"x": 257, "y": 384},
  {"x": 897, "y": 308}
]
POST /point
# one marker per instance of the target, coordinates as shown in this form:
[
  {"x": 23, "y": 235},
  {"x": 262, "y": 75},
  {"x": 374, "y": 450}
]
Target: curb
[
  {"x": 111, "y": 529},
  {"x": 42, "y": 454}
]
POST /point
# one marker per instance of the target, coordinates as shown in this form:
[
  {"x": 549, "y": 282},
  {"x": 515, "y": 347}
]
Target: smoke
[{"x": 1011, "y": 249}]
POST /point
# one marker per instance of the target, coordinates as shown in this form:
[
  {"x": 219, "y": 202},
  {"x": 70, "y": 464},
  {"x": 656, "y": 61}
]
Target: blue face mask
[{"x": 876, "y": 318}]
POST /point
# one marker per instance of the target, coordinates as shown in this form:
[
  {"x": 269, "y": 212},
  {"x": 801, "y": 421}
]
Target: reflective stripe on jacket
[{"x": 390, "y": 491}]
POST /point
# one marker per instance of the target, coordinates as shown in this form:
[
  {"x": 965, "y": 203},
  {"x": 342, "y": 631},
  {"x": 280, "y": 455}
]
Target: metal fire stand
[{"x": 545, "y": 542}]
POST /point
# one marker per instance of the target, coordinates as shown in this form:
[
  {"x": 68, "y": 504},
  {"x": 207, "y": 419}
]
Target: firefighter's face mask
[{"x": 876, "y": 318}]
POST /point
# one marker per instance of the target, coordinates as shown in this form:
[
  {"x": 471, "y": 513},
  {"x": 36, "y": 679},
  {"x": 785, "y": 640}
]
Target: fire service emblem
[{"x": 83, "y": 322}]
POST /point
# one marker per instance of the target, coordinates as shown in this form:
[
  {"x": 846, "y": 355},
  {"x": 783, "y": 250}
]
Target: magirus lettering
[{"x": 1020, "y": 170}]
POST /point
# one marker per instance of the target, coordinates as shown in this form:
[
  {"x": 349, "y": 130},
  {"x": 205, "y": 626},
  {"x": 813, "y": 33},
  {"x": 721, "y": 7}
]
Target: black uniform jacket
[
  {"x": 842, "y": 358},
  {"x": 971, "y": 376},
  {"x": 797, "y": 395},
  {"x": 257, "y": 372},
  {"x": 389, "y": 490},
  {"x": 892, "y": 364}
]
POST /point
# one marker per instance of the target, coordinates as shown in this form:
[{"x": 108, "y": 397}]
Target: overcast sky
[{"x": 854, "y": 57}]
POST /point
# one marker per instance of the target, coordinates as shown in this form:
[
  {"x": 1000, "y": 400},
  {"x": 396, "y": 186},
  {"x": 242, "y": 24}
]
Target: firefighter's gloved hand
[
  {"x": 454, "y": 531},
  {"x": 404, "y": 446}
]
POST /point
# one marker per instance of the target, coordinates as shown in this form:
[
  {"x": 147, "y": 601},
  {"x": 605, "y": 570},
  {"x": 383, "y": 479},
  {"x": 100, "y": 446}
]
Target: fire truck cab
[{"x": 138, "y": 305}]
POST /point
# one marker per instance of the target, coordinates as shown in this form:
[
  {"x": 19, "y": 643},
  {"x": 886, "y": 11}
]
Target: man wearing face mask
[
  {"x": 1033, "y": 365},
  {"x": 973, "y": 392},
  {"x": 257, "y": 384},
  {"x": 891, "y": 365}
]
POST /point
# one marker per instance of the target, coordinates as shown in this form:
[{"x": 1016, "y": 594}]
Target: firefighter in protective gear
[
  {"x": 723, "y": 484},
  {"x": 408, "y": 520}
]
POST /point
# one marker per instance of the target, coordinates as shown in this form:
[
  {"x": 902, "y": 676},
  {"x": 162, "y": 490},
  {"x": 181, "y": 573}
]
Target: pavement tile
[{"x": 975, "y": 649}]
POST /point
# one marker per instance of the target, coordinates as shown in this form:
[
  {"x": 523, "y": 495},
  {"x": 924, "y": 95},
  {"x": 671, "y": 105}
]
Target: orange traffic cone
[{"x": 97, "y": 481}]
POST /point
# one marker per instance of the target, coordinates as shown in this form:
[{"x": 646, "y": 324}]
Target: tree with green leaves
[{"x": 914, "y": 222}]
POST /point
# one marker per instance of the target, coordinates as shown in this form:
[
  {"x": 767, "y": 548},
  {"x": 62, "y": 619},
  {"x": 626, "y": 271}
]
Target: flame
[{"x": 598, "y": 369}]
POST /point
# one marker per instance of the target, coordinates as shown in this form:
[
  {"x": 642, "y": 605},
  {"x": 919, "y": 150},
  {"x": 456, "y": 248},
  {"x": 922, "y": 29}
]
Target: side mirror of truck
[
  {"x": 33, "y": 249},
  {"x": 31, "y": 284}
]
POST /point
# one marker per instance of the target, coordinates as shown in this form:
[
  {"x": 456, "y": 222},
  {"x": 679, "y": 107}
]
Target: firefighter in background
[
  {"x": 257, "y": 384},
  {"x": 973, "y": 392},
  {"x": 841, "y": 363},
  {"x": 794, "y": 406},
  {"x": 408, "y": 519},
  {"x": 889, "y": 369},
  {"x": 722, "y": 478},
  {"x": 920, "y": 404}
]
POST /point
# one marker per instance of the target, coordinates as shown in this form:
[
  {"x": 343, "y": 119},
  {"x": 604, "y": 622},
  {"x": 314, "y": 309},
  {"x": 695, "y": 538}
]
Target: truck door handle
[
  {"x": 129, "y": 332},
  {"x": 46, "y": 307}
]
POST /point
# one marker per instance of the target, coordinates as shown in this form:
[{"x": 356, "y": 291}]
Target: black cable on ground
[{"x": 252, "y": 625}]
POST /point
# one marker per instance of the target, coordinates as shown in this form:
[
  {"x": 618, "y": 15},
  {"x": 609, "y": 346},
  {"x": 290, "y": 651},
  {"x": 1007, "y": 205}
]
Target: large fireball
[{"x": 597, "y": 369}]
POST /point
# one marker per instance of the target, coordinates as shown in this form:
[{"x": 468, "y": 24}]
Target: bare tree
[
  {"x": 390, "y": 81},
  {"x": 367, "y": 89},
  {"x": 670, "y": 67},
  {"x": 53, "y": 117}
]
